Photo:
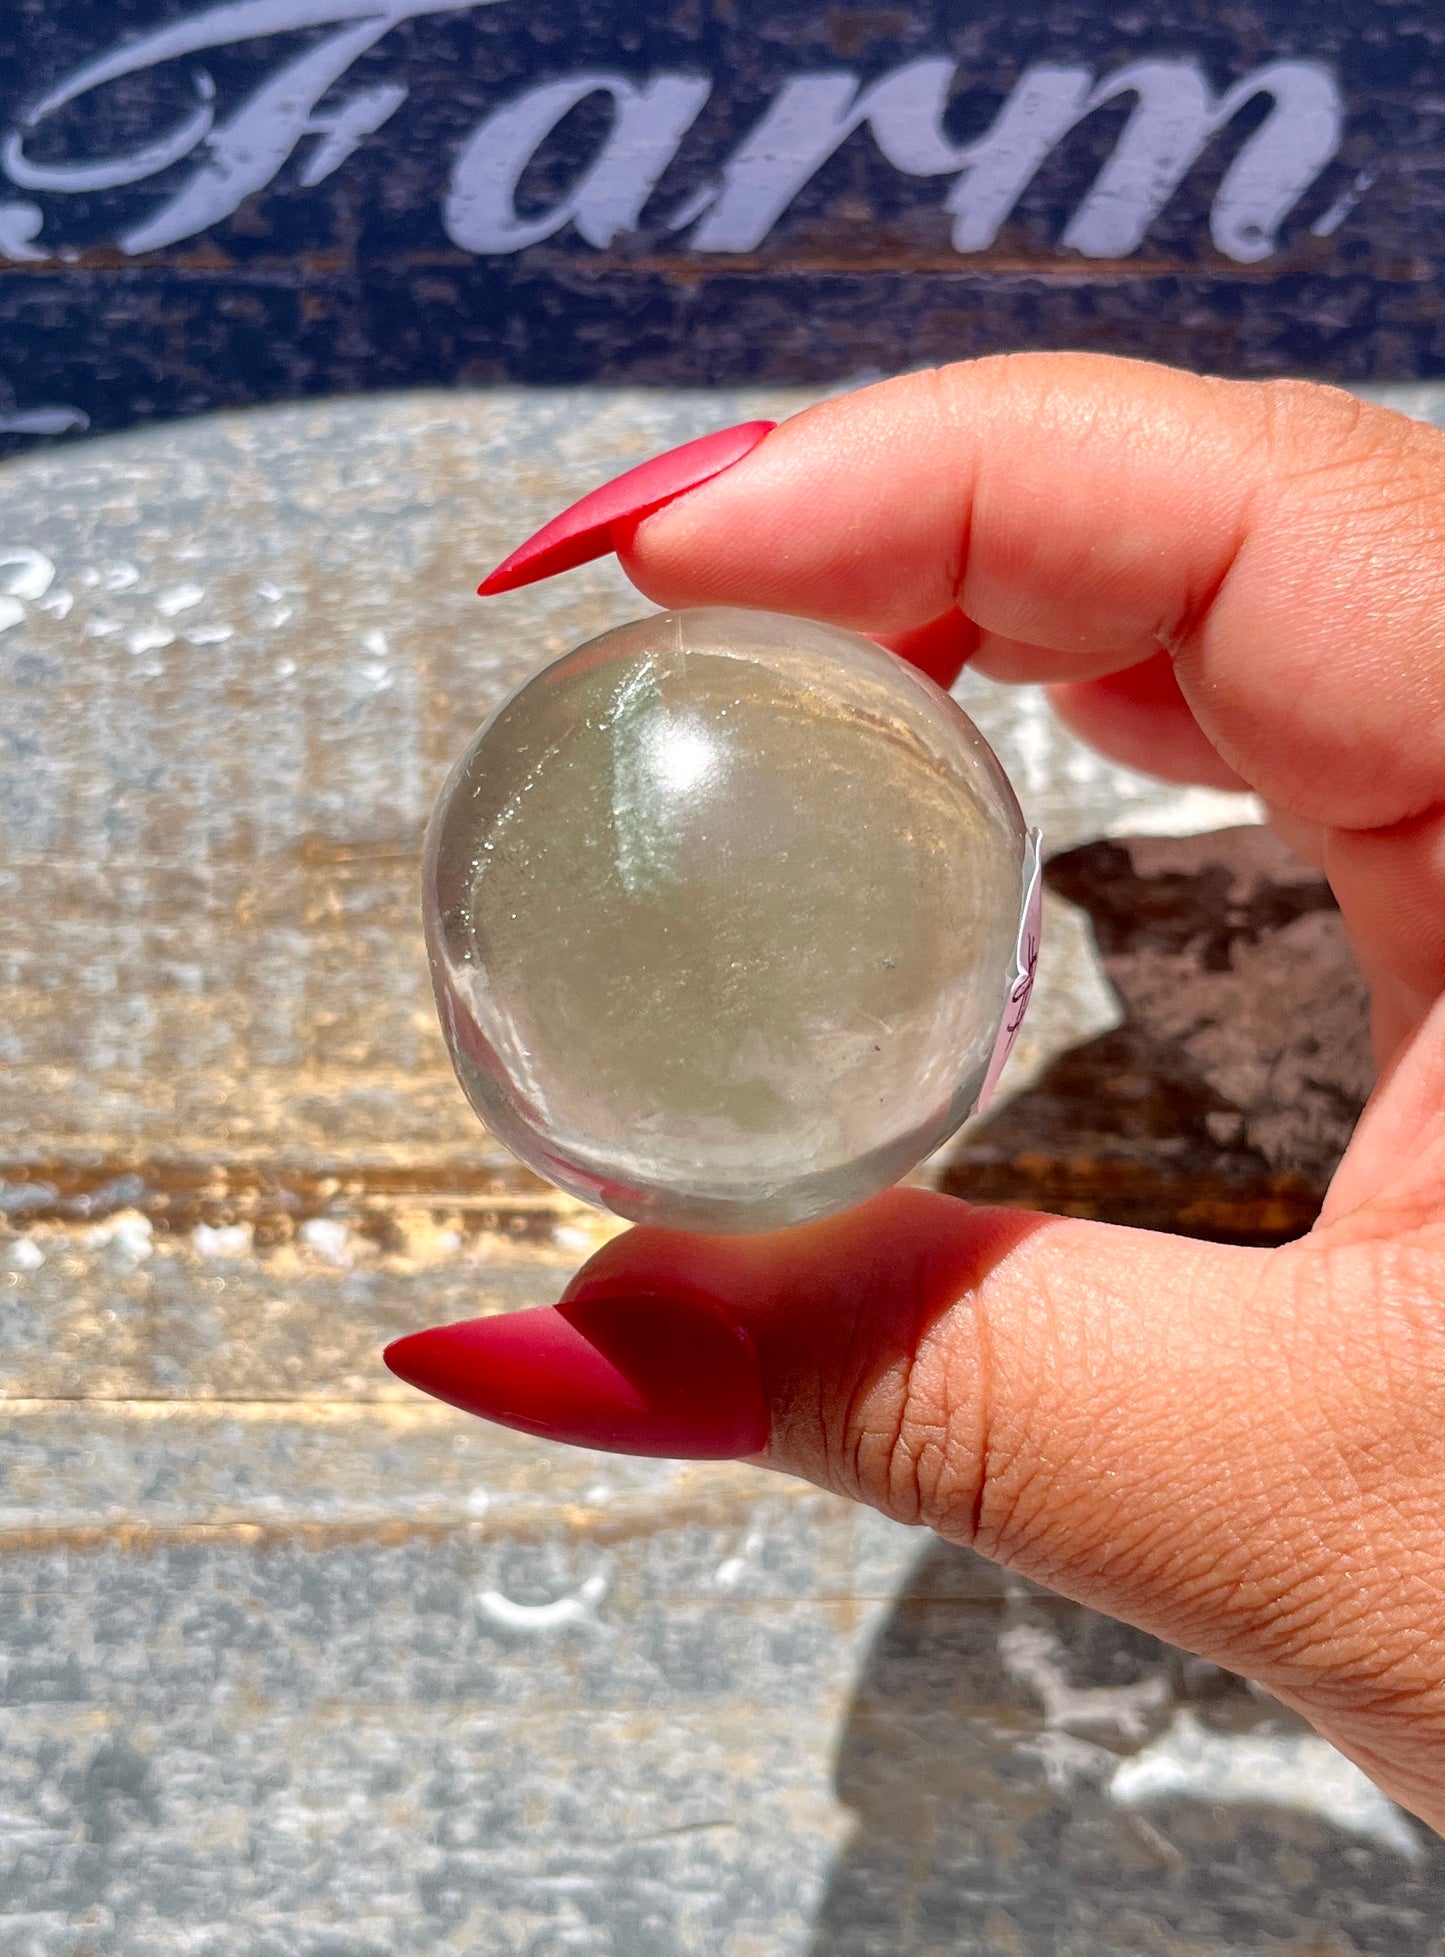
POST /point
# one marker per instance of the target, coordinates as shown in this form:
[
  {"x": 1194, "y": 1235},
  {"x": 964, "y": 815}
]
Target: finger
[
  {"x": 1393, "y": 883},
  {"x": 1394, "y": 1167},
  {"x": 1192, "y": 1437},
  {"x": 1285, "y": 542},
  {"x": 1306, "y": 839},
  {"x": 1137, "y": 714},
  {"x": 1140, "y": 717},
  {"x": 1391, "y": 887},
  {"x": 941, "y": 648},
  {"x": 1013, "y": 662}
]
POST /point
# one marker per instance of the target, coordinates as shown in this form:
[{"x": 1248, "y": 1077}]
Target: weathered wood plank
[{"x": 698, "y": 193}]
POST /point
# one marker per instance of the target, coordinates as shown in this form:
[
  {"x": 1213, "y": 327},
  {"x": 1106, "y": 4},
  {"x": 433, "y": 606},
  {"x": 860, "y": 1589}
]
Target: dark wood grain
[{"x": 323, "y": 253}]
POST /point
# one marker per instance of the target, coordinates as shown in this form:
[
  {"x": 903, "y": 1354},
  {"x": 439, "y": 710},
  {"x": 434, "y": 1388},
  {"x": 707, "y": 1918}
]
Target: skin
[{"x": 1240, "y": 1451}]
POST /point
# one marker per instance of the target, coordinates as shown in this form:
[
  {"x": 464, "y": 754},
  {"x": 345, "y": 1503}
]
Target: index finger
[{"x": 1285, "y": 544}]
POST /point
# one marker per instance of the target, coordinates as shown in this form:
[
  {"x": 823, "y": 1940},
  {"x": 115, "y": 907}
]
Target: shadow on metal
[{"x": 1031, "y": 1778}]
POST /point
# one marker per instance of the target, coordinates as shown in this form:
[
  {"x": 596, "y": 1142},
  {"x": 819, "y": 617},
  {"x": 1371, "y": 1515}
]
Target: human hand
[{"x": 1241, "y": 1451}]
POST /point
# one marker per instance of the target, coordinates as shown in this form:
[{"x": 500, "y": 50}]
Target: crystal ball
[{"x": 722, "y": 910}]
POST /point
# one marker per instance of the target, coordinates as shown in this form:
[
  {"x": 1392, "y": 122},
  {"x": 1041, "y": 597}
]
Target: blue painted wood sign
[{"x": 266, "y": 198}]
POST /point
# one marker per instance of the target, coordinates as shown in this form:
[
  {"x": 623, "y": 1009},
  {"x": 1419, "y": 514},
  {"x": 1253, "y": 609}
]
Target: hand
[{"x": 1240, "y": 1451}]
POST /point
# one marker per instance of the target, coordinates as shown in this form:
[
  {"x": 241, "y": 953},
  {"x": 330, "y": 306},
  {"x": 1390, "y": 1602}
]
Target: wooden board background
[{"x": 302, "y": 237}]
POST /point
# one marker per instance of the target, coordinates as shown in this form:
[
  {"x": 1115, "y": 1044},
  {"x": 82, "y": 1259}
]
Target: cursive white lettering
[
  {"x": 245, "y": 154},
  {"x": 649, "y": 120},
  {"x": 1175, "y": 116},
  {"x": 1001, "y": 164},
  {"x": 1174, "y": 119},
  {"x": 19, "y": 226},
  {"x": 812, "y": 116},
  {"x": 110, "y": 173}
]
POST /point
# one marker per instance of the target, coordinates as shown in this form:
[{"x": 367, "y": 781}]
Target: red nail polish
[
  {"x": 660, "y": 1376},
  {"x": 585, "y": 530}
]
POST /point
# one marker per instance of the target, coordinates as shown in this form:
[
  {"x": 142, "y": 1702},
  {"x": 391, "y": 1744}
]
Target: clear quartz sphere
[{"x": 722, "y": 909}]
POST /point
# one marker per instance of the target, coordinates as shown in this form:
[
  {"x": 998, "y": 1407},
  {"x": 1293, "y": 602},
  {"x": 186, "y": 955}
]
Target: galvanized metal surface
[{"x": 295, "y": 1663}]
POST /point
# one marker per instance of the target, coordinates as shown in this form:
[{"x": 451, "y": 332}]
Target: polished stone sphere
[{"x": 723, "y": 910}]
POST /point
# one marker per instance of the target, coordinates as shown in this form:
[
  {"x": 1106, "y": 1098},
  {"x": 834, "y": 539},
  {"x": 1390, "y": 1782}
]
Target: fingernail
[
  {"x": 585, "y": 530},
  {"x": 658, "y": 1376}
]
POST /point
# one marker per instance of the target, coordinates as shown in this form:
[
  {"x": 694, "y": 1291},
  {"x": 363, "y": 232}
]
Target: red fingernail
[
  {"x": 585, "y": 530},
  {"x": 634, "y": 1375}
]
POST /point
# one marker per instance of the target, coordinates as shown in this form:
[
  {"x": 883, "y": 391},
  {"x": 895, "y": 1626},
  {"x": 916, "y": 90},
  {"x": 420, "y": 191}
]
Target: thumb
[
  {"x": 1202, "y": 1439},
  {"x": 1028, "y": 1385}
]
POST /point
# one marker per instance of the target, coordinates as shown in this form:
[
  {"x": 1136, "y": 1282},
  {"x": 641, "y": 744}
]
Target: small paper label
[{"x": 1026, "y": 963}]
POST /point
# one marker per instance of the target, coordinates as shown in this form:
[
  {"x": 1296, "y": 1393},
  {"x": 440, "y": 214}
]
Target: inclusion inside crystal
[{"x": 721, "y": 909}]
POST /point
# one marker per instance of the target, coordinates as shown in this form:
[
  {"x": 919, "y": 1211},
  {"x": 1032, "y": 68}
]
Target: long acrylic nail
[
  {"x": 584, "y": 531},
  {"x": 660, "y": 1376}
]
